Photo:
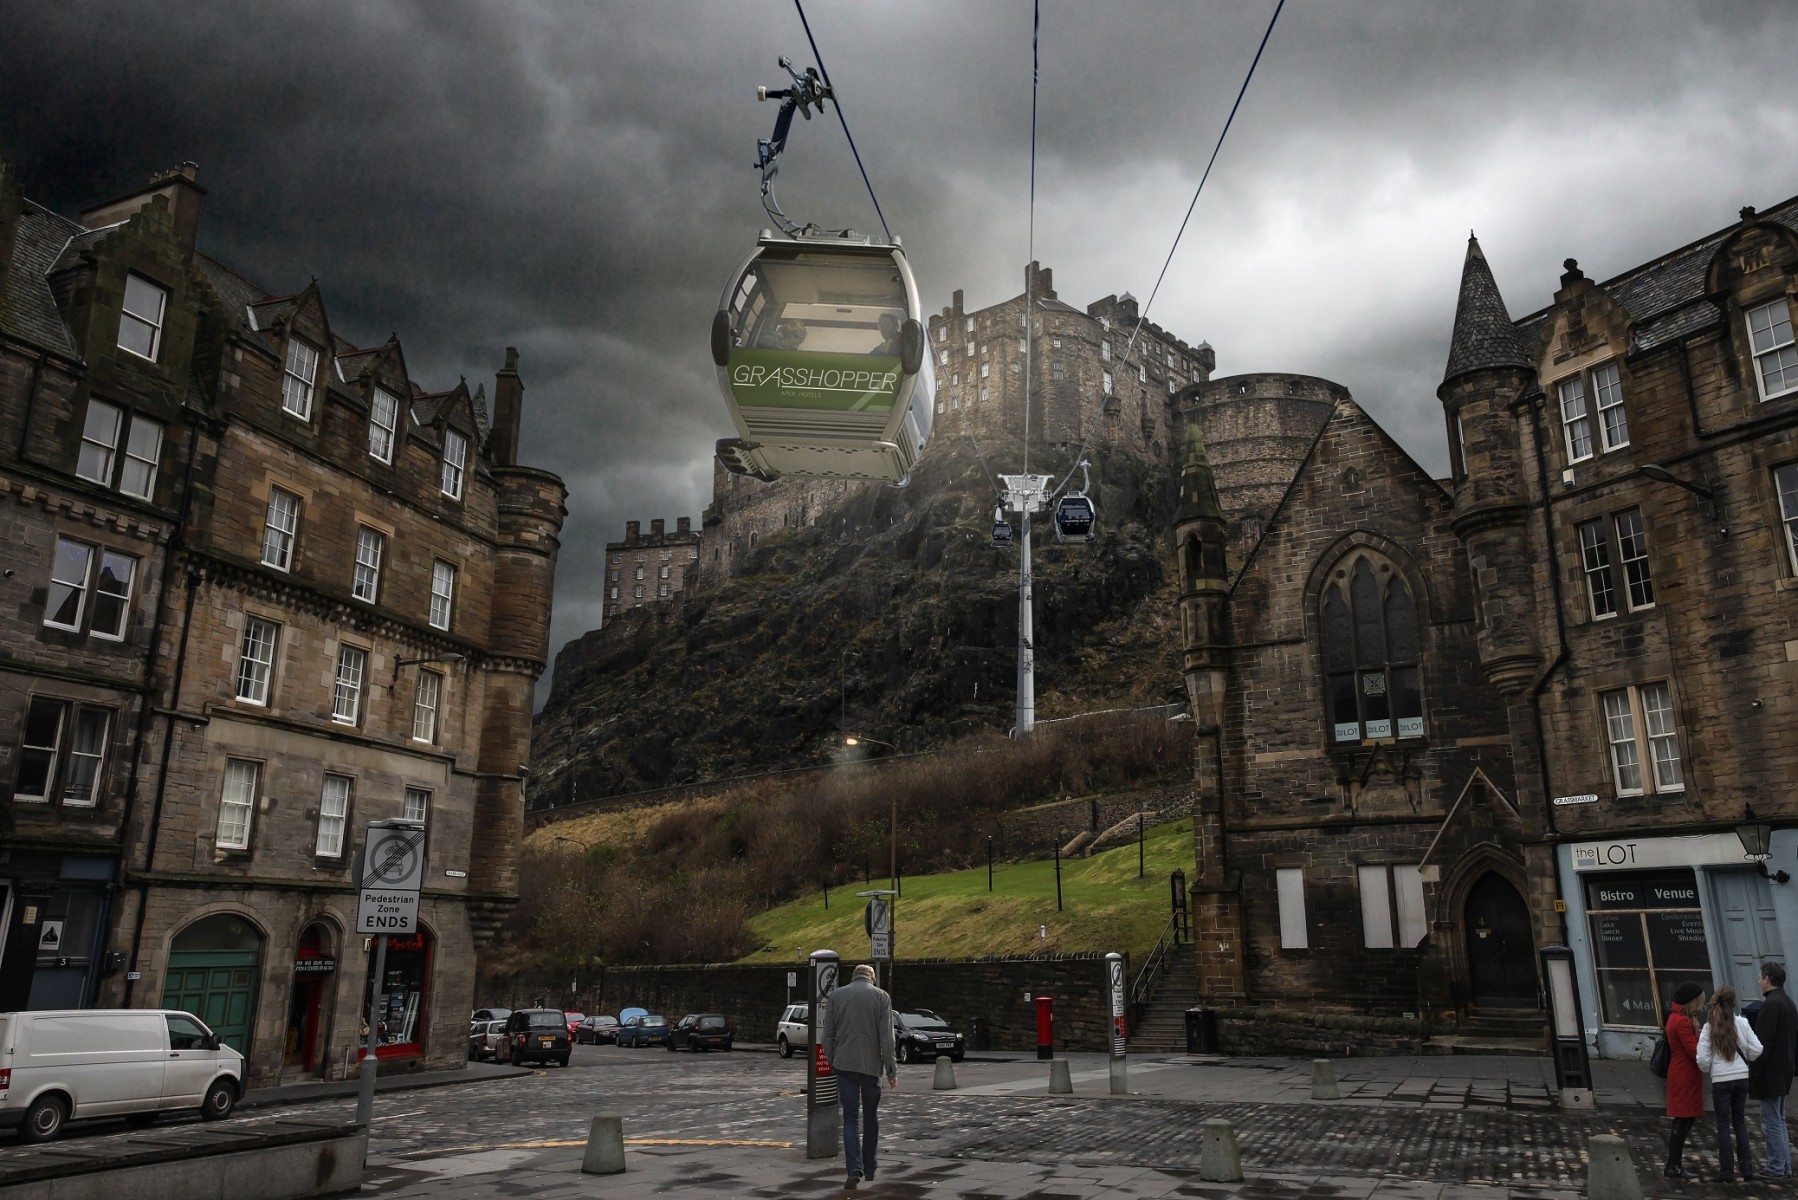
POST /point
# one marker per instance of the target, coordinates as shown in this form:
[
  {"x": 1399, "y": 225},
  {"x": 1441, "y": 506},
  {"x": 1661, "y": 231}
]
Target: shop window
[
  {"x": 1290, "y": 883},
  {"x": 1370, "y": 654},
  {"x": 399, "y": 1016},
  {"x": 1647, "y": 939},
  {"x": 1392, "y": 900}
]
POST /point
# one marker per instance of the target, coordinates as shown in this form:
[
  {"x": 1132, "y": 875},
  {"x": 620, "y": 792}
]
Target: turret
[
  {"x": 1489, "y": 377},
  {"x": 1204, "y": 583}
]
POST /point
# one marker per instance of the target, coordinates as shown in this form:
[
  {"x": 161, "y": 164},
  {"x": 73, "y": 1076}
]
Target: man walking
[
  {"x": 1770, "y": 1076},
  {"x": 858, "y": 1043}
]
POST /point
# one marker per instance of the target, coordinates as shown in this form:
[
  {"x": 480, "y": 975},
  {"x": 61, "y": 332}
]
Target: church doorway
[{"x": 1501, "y": 959}]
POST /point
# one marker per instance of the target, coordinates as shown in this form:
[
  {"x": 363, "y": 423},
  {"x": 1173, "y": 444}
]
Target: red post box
[{"x": 1045, "y": 1027}]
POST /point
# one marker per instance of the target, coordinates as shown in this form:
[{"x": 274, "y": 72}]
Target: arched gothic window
[{"x": 1370, "y": 652}]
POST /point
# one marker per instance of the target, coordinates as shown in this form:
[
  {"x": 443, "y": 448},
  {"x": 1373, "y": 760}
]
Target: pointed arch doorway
[{"x": 1501, "y": 954}]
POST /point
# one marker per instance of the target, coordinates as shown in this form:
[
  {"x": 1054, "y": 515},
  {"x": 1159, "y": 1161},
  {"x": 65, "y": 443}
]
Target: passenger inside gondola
[{"x": 889, "y": 335}]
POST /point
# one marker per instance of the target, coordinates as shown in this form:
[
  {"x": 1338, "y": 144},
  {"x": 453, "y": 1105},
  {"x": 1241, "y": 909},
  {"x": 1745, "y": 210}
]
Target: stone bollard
[
  {"x": 1060, "y": 1082},
  {"x": 1610, "y": 1172},
  {"x": 1323, "y": 1080},
  {"x": 945, "y": 1075},
  {"x": 605, "y": 1146},
  {"x": 1219, "y": 1159}
]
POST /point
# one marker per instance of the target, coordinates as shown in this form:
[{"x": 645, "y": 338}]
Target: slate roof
[
  {"x": 27, "y": 309},
  {"x": 1484, "y": 335},
  {"x": 1666, "y": 298},
  {"x": 79, "y": 245},
  {"x": 237, "y": 292}
]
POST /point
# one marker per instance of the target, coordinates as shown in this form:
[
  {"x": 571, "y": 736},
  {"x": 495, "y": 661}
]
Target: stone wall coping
[{"x": 57, "y": 1160}]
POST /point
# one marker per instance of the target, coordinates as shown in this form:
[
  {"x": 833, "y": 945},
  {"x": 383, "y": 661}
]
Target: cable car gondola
[
  {"x": 819, "y": 339},
  {"x": 1001, "y": 528},
  {"x": 1074, "y": 517},
  {"x": 822, "y": 362}
]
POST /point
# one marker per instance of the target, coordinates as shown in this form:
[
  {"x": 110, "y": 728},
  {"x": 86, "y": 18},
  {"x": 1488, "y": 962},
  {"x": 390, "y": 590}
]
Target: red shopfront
[{"x": 403, "y": 996}]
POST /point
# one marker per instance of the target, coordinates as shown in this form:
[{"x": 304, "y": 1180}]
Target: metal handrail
[{"x": 1152, "y": 966}]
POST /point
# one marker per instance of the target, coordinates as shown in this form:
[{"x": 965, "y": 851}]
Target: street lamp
[
  {"x": 1660, "y": 474},
  {"x": 575, "y": 841},
  {"x": 1756, "y": 837},
  {"x": 449, "y": 657},
  {"x": 893, "y": 860}
]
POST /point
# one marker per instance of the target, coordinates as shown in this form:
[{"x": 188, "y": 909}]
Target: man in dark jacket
[{"x": 1770, "y": 1076}]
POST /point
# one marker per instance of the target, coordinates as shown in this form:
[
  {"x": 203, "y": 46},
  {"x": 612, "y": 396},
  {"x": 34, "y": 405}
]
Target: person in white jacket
[{"x": 1726, "y": 1045}]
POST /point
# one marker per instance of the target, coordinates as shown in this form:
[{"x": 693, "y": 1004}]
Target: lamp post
[
  {"x": 1660, "y": 474},
  {"x": 893, "y": 859},
  {"x": 448, "y": 657},
  {"x": 1756, "y": 837},
  {"x": 576, "y": 841}
]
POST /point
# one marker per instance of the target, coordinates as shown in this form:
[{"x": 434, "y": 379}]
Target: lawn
[{"x": 1104, "y": 907}]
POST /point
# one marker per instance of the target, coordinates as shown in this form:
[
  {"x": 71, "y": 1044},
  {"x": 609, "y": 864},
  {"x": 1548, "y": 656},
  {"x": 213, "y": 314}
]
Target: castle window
[
  {"x": 970, "y": 324},
  {"x": 296, "y": 380},
  {"x": 280, "y": 526},
  {"x": 1639, "y": 725},
  {"x": 1786, "y": 480},
  {"x": 942, "y": 333},
  {"x": 1392, "y": 899},
  {"x": 1105, "y": 351},
  {"x": 256, "y": 659},
  {"x": 333, "y": 816},
  {"x": 455, "y": 456},
  {"x": 970, "y": 349},
  {"x": 1370, "y": 655},
  {"x": 1603, "y": 384},
  {"x": 986, "y": 369},
  {"x": 443, "y": 593},
  {"x": 237, "y": 804},
  {"x": 61, "y": 754},
  {"x": 1289, "y": 883},
  {"x": 1142, "y": 376},
  {"x": 383, "y": 419},
  {"x": 346, "y": 696},
  {"x": 140, "y": 322},
  {"x": 1105, "y": 382},
  {"x": 1104, "y": 322},
  {"x": 100, "y": 444},
  {"x": 1775, "y": 355},
  {"x": 365, "y": 585}
]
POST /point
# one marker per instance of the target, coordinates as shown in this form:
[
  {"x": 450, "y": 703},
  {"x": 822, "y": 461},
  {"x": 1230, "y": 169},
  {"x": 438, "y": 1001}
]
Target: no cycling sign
[{"x": 389, "y": 873}]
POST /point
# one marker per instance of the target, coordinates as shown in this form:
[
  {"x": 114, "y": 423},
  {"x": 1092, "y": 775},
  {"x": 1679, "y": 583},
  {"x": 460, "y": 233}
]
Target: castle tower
[
  {"x": 531, "y": 511},
  {"x": 1199, "y": 534},
  {"x": 1489, "y": 373}
]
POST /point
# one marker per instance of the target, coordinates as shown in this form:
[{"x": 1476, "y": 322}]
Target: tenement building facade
[
  {"x": 315, "y": 594},
  {"x": 1548, "y": 701}
]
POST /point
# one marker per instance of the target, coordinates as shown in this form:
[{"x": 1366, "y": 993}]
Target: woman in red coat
[{"x": 1685, "y": 1082}]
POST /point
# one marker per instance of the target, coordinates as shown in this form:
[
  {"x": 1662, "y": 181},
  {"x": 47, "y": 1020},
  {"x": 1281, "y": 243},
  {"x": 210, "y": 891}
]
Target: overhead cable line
[
  {"x": 1143, "y": 315},
  {"x": 825, "y": 72}
]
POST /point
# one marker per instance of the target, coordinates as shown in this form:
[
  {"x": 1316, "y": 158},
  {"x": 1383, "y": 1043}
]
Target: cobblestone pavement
[{"x": 733, "y": 1124}]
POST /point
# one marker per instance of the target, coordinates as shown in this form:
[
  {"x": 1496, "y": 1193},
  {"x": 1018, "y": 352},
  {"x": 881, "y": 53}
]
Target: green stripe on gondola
[{"x": 834, "y": 382}]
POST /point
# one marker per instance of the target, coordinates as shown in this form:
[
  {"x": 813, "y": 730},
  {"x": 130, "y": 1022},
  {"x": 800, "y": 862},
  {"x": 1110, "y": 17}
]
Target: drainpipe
[
  {"x": 1532, "y": 403},
  {"x": 37, "y": 375}
]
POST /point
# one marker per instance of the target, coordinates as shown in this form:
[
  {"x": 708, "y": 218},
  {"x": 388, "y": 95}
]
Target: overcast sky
[{"x": 577, "y": 179}]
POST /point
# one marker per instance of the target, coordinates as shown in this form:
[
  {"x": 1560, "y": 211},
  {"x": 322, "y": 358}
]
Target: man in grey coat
[
  {"x": 1770, "y": 1076},
  {"x": 858, "y": 1044}
]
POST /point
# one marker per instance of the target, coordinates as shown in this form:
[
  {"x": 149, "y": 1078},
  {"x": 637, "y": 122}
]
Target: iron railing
[{"x": 1156, "y": 962}]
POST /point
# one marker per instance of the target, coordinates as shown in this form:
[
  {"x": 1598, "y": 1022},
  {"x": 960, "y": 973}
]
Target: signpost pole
[
  {"x": 823, "y": 1126},
  {"x": 389, "y": 873},
  {"x": 365, "y": 1100},
  {"x": 1120, "y": 1067}
]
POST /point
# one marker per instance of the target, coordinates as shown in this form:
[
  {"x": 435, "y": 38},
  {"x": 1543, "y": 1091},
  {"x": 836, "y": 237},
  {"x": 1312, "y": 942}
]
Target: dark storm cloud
[{"x": 576, "y": 179}]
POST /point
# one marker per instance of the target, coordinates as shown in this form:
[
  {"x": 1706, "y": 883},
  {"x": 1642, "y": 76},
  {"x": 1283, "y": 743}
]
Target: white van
[{"x": 60, "y": 1065}]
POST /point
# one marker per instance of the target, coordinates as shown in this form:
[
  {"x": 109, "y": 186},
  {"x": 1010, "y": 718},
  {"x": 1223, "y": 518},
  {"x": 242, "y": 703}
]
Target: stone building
[
  {"x": 357, "y": 607},
  {"x": 650, "y": 570},
  {"x": 1547, "y": 701}
]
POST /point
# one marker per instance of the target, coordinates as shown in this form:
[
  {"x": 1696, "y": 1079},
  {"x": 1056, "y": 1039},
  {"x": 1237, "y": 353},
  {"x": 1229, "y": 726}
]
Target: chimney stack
[
  {"x": 508, "y": 410},
  {"x": 657, "y": 526},
  {"x": 176, "y": 186},
  {"x": 684, "y": 525},
  {"x": 633, "y": 532}
]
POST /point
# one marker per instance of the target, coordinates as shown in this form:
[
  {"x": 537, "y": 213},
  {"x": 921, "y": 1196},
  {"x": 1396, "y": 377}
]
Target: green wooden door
[{"x": 219, "y": 987}]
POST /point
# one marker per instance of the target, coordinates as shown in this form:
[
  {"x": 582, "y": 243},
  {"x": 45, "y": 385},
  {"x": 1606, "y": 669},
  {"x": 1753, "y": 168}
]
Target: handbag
[{"x": 1660, "y": 1057}]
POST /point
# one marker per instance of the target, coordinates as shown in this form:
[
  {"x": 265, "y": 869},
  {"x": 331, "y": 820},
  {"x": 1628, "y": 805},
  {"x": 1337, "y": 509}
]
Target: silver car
[
  {"x": 483, "y": 1040},
  {"x": 793, "y": 1029}
]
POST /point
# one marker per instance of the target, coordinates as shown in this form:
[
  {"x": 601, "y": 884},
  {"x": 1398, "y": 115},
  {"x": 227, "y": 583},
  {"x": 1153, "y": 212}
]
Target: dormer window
[
  {"x": 140, "y": 324},
  {"x": 1601, "y": 387},
  {"x": 455, "y": 455},
  {"x": 383, "y": 417},
  {"x": 296, "y": 384},
  {"x": 1775, "y": 356}
]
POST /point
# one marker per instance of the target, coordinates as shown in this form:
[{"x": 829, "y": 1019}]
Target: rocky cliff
[{"x": 891, "y": 616}]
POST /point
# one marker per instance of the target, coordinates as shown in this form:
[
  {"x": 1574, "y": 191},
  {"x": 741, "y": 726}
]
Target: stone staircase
[
  {"x": 1521, "y": 1031},
  {"x": 1162, "y": 1027}
]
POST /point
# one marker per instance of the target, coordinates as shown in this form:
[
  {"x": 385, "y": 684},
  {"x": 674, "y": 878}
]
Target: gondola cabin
[
  {"x": 1001, "y": 529},
  {"x": 822, "y": 360},
  {"x": 1074, "y": 516}
]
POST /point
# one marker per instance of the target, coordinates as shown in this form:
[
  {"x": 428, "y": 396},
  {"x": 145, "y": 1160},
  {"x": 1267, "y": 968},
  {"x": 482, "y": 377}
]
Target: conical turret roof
[
  {"x": 1484, "y": 335},
  {"x": 1198, "y": 489}
]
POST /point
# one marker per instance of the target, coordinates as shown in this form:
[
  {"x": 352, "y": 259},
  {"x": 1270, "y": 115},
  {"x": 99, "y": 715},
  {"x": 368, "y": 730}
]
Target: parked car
[
  {"x": 793, "y": 1029},
  {"x": 535, "y": 1035},
  {"x": 649, "y": 1029},
  {"x": 700, "y": 1031},
  {"x": 920, "y": 1036},
  {"x": 574, "y": 1020},
  {"x": 489, "y": 1014},
  {"x": 61, "y": 1065},
  {"x": 596, "y": 1030},
  {"x": 484, "y": 1038}
]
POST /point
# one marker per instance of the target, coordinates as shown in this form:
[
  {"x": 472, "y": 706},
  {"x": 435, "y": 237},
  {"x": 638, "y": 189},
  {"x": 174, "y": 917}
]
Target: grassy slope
[{"x": 1104, "y": 907}]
